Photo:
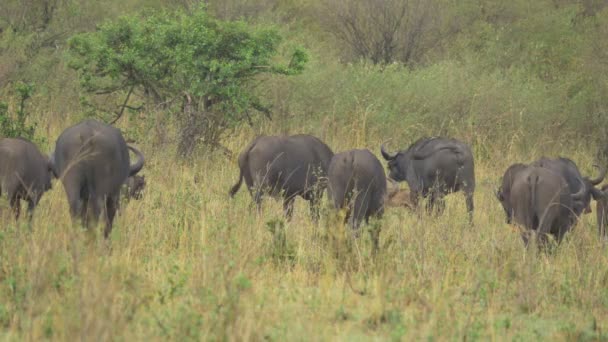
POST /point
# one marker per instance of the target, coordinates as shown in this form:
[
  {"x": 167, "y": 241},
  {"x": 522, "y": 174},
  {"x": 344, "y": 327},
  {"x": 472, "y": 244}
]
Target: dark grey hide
[
  {"x": 24, "y": 173},
  {"x": 285, "y": 166},
  {"x": 92, "y": 161},
  {"x": 433, "y": 168},
  {"x": 576, "y": 182},
  {"x": 504, "y": 191},
  {"x": 538, "y": 200},
  {"x": 357, "y": 182}
]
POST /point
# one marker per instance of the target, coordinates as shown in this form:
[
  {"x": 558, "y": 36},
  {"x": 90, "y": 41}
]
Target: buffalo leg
[
  {"x": 15, "y": 203},
  {"x": 76, "y": 200},
  {"x": 470, "y": 205},
  {"x": 257, "y": 199},
  {"x": 525, "y": 237},
  {"x": 315, "y": 202},
  {"x": 602, "y": 219},
  {"x": 31, "y": 205},
  {"x": 434, "y": 203},
  {"x": 288, "y": 207},
  {"x": 314, "y": 211},
  {"x": 439, "y": 204},
  {"x": 360, "y": 206},
  {"x": 110, "y": 212},
  {"x": 94, "y": 210}
]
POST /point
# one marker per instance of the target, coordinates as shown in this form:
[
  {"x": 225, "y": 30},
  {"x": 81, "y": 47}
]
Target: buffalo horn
[
  {"x": 385, "y": 154},
  {"x": 601, "y": 177},
  {"x": 581, "y": 193},
  {"x": 135, "y": 168}
]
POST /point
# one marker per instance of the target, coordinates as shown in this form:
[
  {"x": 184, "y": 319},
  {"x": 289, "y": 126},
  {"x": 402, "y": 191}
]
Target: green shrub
[
  {"x": 200, "y": 67},
  {"x": 15, "y": 125}
]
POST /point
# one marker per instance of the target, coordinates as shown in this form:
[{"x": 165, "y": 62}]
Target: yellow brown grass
[{"x": 187, "y": 262}]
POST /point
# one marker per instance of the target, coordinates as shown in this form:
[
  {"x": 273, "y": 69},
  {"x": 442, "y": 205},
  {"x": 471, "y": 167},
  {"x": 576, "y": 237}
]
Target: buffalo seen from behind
[
  {"x": 92, "y": 160},
  {"x": 285, "y": 166},
  {"x": 357, "y": 182},
  {"x": 433, "y": 168},
  {"x": 539, "y": 200},
  {"x": 547, "y": 196},
  {"x": 576, "y": 181},
  {"x": 25, "y": 173}
]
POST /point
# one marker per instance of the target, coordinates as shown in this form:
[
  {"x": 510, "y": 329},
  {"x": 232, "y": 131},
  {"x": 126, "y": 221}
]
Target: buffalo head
[{"x": 397, "y": 163}]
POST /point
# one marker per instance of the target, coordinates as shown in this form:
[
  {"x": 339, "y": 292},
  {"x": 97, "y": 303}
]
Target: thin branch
[{"x": 124, "y": 105}]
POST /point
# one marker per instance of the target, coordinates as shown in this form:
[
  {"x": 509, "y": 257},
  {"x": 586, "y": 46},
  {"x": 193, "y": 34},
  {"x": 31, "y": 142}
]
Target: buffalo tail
[{"x": 235, "y": 188}]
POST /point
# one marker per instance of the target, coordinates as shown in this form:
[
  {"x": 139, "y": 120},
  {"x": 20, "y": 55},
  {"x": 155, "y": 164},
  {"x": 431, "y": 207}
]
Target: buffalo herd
[
  {"x": 90, "y": 158},
  {"x": 544, "y": 198}
]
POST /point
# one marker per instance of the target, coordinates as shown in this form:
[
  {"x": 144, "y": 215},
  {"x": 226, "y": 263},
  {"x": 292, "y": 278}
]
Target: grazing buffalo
[
  {"x": 25, "y": 173},
  {"x": 602, "y": 214},
  {"x": 286, "y": 166},
  {"x": 539, "y": 200},
  {"x": 434, "y": 167},
  {"x": 576, "y": 182},
  {"x": 92, "y": 161},
  {"x": 357, "y": 181}
]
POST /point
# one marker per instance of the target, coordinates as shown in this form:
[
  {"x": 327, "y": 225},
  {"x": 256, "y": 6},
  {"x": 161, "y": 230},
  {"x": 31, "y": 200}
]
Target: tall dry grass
[{"x": 188, "y": 263}]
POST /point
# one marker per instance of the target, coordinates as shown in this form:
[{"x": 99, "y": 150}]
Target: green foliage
[
  {"x": 195, "y": 64},
  {"x": 15, "y": 125}
]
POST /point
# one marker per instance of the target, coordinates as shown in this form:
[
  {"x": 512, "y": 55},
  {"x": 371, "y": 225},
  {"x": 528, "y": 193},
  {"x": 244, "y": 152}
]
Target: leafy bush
[
  {"x": 15, "y": 125},
  {"x": 191, "y": 63}
]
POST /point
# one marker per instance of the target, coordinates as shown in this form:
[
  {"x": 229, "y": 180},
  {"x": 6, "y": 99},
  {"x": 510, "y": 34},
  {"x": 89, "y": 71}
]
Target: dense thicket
[{"x": 509, "y": 71}]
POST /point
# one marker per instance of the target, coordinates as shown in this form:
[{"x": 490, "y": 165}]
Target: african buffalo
[
  {"x": 539, "y": 200},
  {"x": 25, "y": 173},
  {"x": 92, "y": 161},
  {"x": 434, "y": 167},
  {"x": 286, "y": 166},
  {"x": 357, "y": 181},
  {"x": 569, "y": 171}
]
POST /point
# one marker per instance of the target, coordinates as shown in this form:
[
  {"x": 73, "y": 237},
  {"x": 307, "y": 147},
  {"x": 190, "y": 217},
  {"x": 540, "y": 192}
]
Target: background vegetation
[{"x": 514, "y": 79}]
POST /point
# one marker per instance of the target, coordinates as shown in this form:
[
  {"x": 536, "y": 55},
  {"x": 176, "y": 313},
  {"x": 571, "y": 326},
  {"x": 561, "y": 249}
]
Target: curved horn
[
  {"x": 581, "y": 193},
  {"x": 601, "y": 177},
  {"x": 135, "y": 168},
  {"x": 385, "y": 154}
]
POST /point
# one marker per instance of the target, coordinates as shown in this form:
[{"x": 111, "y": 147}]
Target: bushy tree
[{"x": 189, "y": 62}]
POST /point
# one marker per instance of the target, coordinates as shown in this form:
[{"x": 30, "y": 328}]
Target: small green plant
[{"x": 14, "y": 125}]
